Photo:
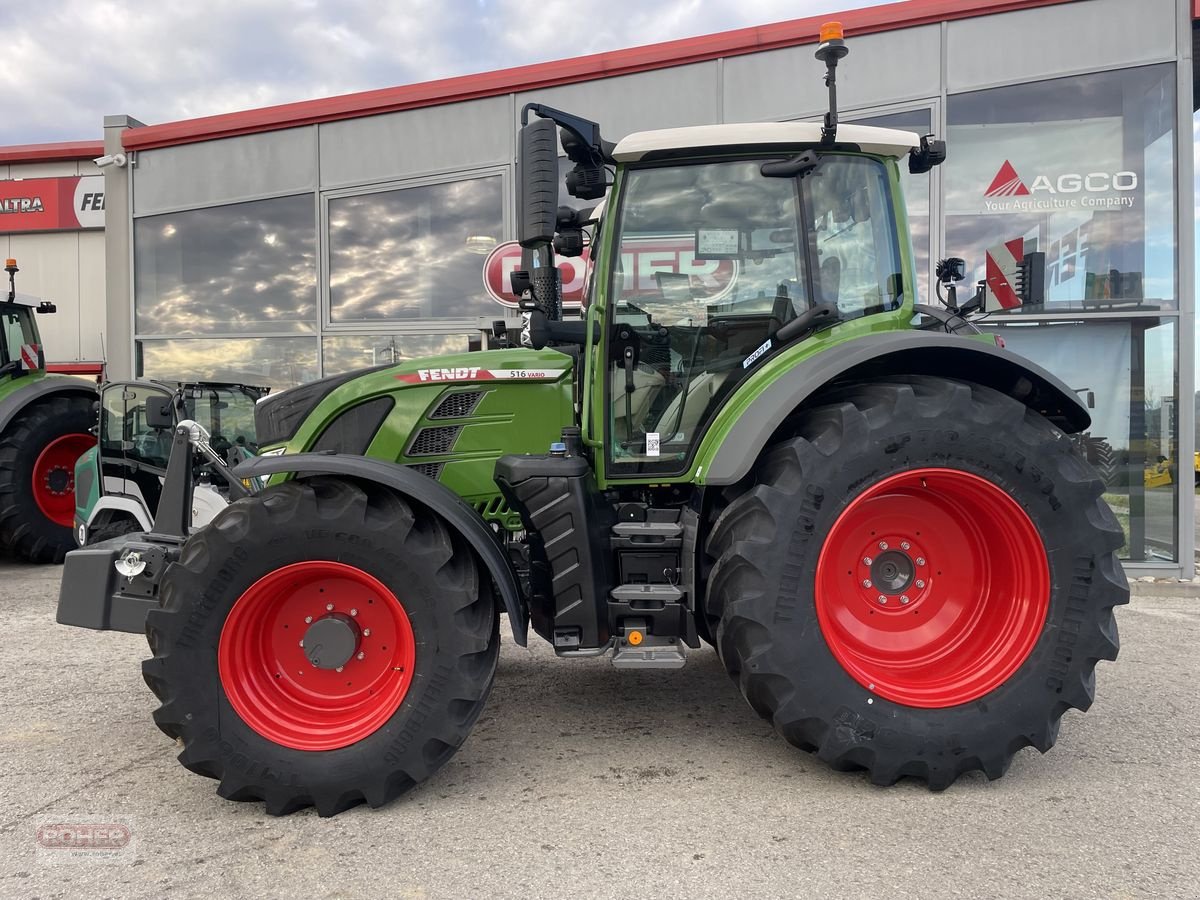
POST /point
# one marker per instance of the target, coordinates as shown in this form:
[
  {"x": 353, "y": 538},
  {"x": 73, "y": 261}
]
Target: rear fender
[
  {"x": 875, "y": 357},
  {"x": 35, "y": 388},
  {"x": 425, "y": 491}
]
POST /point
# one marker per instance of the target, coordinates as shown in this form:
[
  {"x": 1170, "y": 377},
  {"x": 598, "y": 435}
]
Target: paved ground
[{"x": 585, "y": 780}]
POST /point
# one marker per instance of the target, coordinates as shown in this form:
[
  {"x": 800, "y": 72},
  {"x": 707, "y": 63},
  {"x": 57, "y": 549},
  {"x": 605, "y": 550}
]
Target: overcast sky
[{"x": 68, "y": 63}]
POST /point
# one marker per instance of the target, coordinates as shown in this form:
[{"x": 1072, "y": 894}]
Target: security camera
[{"x": 115, "y": 159}]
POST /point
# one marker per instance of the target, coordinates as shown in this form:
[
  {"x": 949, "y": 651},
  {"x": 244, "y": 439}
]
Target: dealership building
[{"x": 278, "y": 245}]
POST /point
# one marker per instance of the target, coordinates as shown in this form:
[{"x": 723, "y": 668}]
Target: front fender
[
  {"x": 738, "y": 438},
  {"x": 423, "y": 490}
]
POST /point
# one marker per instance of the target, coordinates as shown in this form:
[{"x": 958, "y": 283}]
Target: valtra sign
[
  {"x": 52, "y": 204},
  {"x": 641, "y": 261}
]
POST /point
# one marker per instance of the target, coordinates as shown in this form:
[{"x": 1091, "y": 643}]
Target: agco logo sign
[{"x": 1060, "y": 192}]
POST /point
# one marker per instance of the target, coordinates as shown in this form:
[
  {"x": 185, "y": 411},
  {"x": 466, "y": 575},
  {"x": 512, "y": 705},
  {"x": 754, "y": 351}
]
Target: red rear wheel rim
[
  {"x": 932, "y": 587},
  {"x": 54, "y": 477},
  {"x": 279, "y": 692}
]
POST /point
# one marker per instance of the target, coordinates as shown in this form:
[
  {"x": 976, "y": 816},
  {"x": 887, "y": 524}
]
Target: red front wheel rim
[
  {"x": 271, "y": 679},
  {"x": 54, "y": 477},
  {"x": 932, "y": 587}
]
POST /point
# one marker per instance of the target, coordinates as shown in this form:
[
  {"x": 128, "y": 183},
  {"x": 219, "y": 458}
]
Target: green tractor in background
[
  {"x": 119, "y": 480},
  {"x": 45, "y": 422},
  {"x": 753, "y": 438}
]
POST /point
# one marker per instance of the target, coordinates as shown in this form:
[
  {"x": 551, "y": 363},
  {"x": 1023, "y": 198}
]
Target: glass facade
[
  {"x": 245, "y": 267},
  {"x": 1083, "y": 169},
  {"x": 413, "y": 253}
]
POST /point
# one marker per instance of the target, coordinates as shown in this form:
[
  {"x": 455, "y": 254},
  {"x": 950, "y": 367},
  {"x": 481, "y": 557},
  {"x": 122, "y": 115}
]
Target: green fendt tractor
[
  {"x": 882, "y": 527},
  {"x": 44, "y": 423},
  {"x": 120, "y": 478}
]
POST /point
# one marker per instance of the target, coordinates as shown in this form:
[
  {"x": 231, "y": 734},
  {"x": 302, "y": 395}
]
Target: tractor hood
[{"x": 450, "y": 417}]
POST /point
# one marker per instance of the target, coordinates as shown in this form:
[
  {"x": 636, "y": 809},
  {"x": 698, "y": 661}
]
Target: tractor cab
[
  {"x": 20, "y": 342},
  {"x": 119, "y": 481}
]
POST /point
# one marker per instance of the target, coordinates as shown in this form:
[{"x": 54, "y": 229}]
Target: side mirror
[
  {"x": 538, "y": 162},
  {"x": 46, "y": 307},
  {"x": 158, "y": 412},
  {"x": 931, "y": 153}
]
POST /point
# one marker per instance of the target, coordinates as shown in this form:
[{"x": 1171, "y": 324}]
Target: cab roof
[{"x": 880, "y": 141}]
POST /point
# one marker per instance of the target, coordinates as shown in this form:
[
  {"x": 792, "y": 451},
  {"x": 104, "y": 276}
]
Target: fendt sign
[
  {"x": 642, "y": 262},
  {"x": 52, "y": 204}
]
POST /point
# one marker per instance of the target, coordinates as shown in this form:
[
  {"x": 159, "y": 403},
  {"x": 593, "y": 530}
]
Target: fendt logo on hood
[{"x": 1045, "y": 192}]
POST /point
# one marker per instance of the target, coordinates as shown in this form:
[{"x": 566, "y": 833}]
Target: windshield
[
  {"x": 18, "y": 330},
  {"x": 712, "y": 260},
  {"x": 226, "y": 412}
]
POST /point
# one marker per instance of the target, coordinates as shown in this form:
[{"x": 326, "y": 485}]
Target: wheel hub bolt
[
  {"x": 920, "y": 583},
  {"x": 329, "y": 607},
  {"x": 361, "y": 655},
  {"x": 308, "y": 620},
  {"x": 301, "y": 642},
  {"x": 366, "y": 632},
  {"x": 920, "y": 560},
  {"x": 881, "y": 598},
  {"x": 867, "y": 560},
  {"x": 904, "y": 545},
  {"x": 904, "y": 598},
  {"x": 339, "y": 668},
  {"x": 354, "y": 612},
  {"x": 866, "y": 582},
  {"x": 883, "y": 545}
]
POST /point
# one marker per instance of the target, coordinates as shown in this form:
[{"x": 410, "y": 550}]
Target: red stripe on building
[{"x": 60, "y": 152}]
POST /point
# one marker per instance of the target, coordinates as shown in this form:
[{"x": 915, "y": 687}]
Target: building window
[
  {"x": 245, "y": 267},
  {"x": 1083, "y": 169},
  {"x": 1133, "y": 439},
  {"x": 346, "y": 352},
  {"x": 414, "y": 253},
  {"x": 274, "y": 362}
]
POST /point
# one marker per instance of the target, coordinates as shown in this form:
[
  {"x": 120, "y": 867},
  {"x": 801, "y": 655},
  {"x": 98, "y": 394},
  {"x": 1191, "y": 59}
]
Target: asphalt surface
[{"x": 580, "y": 779}]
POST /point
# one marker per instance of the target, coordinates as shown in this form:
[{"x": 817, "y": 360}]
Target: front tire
[
  {"x": 920, "y": 583},
  {"x": 38, "y": 452},
  {"x": 249, "y": 661}
]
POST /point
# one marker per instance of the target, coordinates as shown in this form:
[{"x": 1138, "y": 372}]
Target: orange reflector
[
  {"x": 9, "y": 263},
  {"x": 831, "y": 31},
  {"x": 634, "y": 638}
]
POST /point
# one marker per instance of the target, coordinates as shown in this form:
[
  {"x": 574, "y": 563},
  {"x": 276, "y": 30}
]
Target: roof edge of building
[
  {"x": 61, "y": 151},
  {"x": 796, "y": 32}
]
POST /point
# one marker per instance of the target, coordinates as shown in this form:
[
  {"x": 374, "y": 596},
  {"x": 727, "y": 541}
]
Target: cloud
[{"x": 68, "y": 63}]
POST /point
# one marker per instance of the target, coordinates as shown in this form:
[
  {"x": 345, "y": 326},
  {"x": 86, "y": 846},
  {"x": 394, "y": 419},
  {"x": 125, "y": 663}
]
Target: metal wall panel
[
  {"x": 225, "y": 171},
  {"x": 416, "y": 142},
  {"x": 684, "y": 95},
  {"x": 881, "y": 69},
  {"x": 91, "y": 295},
  {"x": 1054, "y": 40},
  {"x": 50, "y": 271}
]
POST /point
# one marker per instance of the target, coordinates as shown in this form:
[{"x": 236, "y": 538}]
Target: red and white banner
[
  {"x": 641, "y": 261},
  {"x": 474, "y": 373},
  {"x": 52, "y": 204},
  {"x": 1003, "y": 261},
  {"x": 29, "y": 357}
]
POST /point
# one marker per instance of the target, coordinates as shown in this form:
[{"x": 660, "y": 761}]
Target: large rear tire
[
  {"x": 920, "y": 583},
  {"x": 321, "y": 644},
  {"x": 38, "y": 452}
]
